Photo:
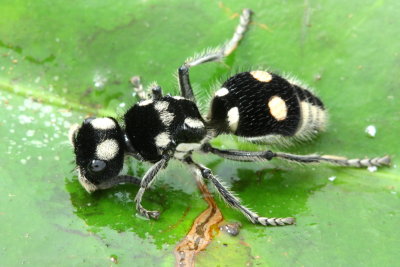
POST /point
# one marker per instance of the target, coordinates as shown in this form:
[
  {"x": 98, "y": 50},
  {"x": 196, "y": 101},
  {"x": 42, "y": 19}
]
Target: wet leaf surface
[{"x": 60, "y": 62}]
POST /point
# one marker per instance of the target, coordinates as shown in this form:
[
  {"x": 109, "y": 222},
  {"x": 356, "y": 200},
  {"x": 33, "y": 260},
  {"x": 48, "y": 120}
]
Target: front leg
[
  {"x": 147, "y": 180},
  {"x": 144, "y": 93}
]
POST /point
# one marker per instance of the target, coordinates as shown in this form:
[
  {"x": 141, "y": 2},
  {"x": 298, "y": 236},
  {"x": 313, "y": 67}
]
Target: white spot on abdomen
[
  {"x": 162, "y": 140},
  {"x": 261, "y": 75},
  {"x": 233, "y": 118},
  {"x": 313, "y": 118},
  {"x": 107, "y": 150},
  {"x": 194, "y": 123},
  {"x": 103, "y": 124},
  {"x": 277, "y": 108},
  {"x": 221, "y": 92}
]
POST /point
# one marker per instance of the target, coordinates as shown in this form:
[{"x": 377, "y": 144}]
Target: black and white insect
[{"x": 256, "y": 105}]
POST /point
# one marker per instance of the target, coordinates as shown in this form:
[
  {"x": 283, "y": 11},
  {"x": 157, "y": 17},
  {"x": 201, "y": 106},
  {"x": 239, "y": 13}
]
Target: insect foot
[
  {"x": 154, "y": 214},
  {"x": 276, "y": 221}
]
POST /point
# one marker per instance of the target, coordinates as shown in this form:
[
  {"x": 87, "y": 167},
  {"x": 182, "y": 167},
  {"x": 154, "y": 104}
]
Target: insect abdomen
[{"x": 259, "y": 104}]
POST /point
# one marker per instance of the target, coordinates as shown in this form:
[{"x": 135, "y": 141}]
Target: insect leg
[
  {"x": 156, "y": 92},
  {"x": 138, "y": 88},
  {"x": 212, "y": 55},
  {"x": 268, "y": 155},
  {"x": 232, "y": 200},
  {"x": 147, "y": 180},
  {"x": 142, "y": 92}
]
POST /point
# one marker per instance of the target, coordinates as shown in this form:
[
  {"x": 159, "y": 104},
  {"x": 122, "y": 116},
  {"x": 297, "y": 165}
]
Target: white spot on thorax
[
  {"x": 194, "y": 123},
  {"x": 277, "y": 108},
  {"x": 107, "y": 150},
  {"x": 165, "y": 116},
  {"x": 162, "y": 140},
  {"x": 261, "y": 75},
  {"x": 233, "y": 118},
  {"x": 221, "y": 92},
  {"x": 145, "y": 102},
  {"x": 161, "y": 106},
  {"x": 186, "y": 147},
  {"x": 103, "y": 123}
]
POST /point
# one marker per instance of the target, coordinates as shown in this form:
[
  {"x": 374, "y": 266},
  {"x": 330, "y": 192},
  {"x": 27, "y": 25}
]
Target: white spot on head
[
  {"x": 277, "y": 108},
  {"x": 371, "y": 130},
  {"x": 107, "y": 149},
  {"x": 162, "y": 140},
  {"x": 145, "y": 102},
  {"x": 221, "y": 92},
  {"x": 103, "y": 123},
  {"x": 194, "y": 123},
  {"x": 233, "y": 118},
  {"x": 261, "y": 75}
]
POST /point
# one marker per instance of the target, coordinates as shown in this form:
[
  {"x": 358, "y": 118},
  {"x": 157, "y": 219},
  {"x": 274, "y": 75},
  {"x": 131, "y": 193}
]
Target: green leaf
[{"x": 60, "y": 61}]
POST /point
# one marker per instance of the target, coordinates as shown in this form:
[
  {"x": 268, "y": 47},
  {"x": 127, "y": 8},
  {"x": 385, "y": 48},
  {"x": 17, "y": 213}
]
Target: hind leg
[
  {"x": 239, "y": 155},
  {"x": 212, "y": 55}
]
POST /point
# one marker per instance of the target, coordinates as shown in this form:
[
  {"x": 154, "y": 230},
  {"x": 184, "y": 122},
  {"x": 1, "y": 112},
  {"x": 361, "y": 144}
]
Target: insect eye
[{"x": 97, "y": 165}]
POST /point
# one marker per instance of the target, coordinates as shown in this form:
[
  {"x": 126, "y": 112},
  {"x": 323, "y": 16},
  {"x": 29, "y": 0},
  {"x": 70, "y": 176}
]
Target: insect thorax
[{"x": 153, "y": 126}]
